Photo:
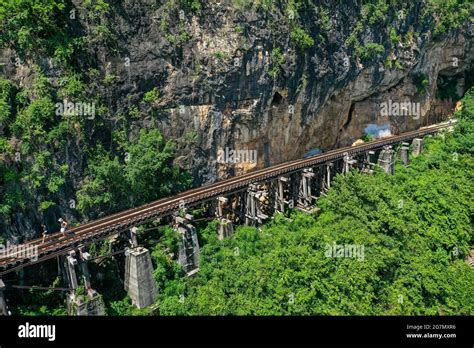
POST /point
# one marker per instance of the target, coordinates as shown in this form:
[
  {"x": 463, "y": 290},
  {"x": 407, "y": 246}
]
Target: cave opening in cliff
[
  {"x": 277, "y": 99},
  {"x": 453, "y": 86},
  {"x": 450, "y": 88}
]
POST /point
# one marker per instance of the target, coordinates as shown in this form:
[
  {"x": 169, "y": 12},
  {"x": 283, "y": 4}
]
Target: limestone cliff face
[
  {"x": 215, "y": 84},
  {"x": 221, "y": 83}
]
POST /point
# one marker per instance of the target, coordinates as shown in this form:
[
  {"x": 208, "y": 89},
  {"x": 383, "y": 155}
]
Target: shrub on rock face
[
  {"x": 151, "y": 96},
  {"x": 301, "y": 39}
]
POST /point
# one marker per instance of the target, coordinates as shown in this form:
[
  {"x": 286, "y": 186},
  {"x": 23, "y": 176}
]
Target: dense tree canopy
[
  {"x": 415, "y": 228},
  {"x": 144, "y": 173}
]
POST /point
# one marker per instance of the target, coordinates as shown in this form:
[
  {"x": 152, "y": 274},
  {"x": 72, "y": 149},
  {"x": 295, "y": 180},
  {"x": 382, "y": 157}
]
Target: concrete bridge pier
[
  {"x": 404, "y": 153},
  {"x": 90, "y": 303},
  {"x": 3, "y": 303},
  {"x": 418, "y": 145},
  {"x": 225, "y": 229},
  {"x": 189, "y": 249},
  {"x": 139, "y": 282},
  {"x": 386, "y": 160}
]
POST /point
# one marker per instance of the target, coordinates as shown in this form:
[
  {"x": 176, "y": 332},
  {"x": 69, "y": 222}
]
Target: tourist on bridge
[
  {"x": 45, "y": 231},
  {"x": 63, "y": 225}
]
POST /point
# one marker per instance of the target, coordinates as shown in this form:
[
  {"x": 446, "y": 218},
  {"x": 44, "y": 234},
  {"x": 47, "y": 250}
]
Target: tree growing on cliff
[
  {"x": 301, "y": 39},
  {"x": 105, "y": 189},
  {"x": 149, "y": 168},
  {"x": 144, "y": 173}
]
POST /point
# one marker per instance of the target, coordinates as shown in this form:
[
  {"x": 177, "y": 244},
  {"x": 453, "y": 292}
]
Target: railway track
[{"x": 58, "y": 244}]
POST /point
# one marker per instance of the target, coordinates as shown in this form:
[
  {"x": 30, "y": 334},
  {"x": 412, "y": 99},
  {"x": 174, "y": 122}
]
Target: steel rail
[{"x": 35, "y": 287}]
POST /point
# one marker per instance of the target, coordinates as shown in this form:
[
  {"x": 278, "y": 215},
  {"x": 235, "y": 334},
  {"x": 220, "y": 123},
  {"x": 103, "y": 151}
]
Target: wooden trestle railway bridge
[{"x": 250, "y": 198}]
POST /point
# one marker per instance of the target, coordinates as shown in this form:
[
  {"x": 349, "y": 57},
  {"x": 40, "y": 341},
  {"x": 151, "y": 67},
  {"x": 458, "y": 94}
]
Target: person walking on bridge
[
  {"x": 63, "y": 226},
  {"x": 45, "y": 232}
]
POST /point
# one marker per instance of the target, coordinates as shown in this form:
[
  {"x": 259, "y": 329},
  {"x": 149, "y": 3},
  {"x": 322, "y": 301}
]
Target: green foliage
[
  {"x": 96, "y": 9},
  {"x": 375, "y": 11},
  {"x": 370, "y": 51},
  {"x": 301, "y": 39},
  {"x": 11, "y": 194},
  {"x": 303, "y": 83},
  {"x": 192, "y": 5},
  {"x": 447, "y": 15},
  {"x": 277, "y": 60},
  {"x": 394, "y": 37},
  {"x": 6, "y": 93},
  {"x": 150, "y": 171},
  {"x": 166, "y": 268},
  {"x": 325, "y": 19},
  {"x": 221, "y": 55},
  {"x": 71, "y": 87},
  {"x": 110, "y": 79},
  {"x": 134, "y": 112},
  {"x": 239, "y": 29},
  {"x": 145, "y": 174},
  {"x": 421, "y": 80},
  {"x": 5, "y": 147},
  {"x": 352, "y": 39},
  {"x": 408, "y": 39},
  {"x": 46, "y": 205},
  {"x": 415, "y": 230},
  {"x": 388, "y": 63},
  {"x": 41, "y": 303},
  {"x": 255, "y": 5},
  {"x": 32, "y": 122},
  {"x": 28, "y": 25},
  {"x": 180, "y": 38},
  {"x": 105, "y": 190},
  {"x": 97, "y": 23},
  {"x": 191, "y": 136},
  {"x": 367, "y": 137},
  {"x": 151, "y": 96},
  {"x": 264, "y": 5},
  {"x": 125, "y": 307}
]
